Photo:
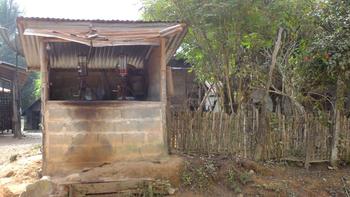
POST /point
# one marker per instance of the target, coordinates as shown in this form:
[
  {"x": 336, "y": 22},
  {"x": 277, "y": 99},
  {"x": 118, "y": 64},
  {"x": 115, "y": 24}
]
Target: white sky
[{"x": 82, "y": 9}]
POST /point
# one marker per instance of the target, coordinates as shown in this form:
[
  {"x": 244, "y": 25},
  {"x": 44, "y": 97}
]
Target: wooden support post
[
  {"x": 163, "y": 89},
  {"x": 44, "y": 96}
]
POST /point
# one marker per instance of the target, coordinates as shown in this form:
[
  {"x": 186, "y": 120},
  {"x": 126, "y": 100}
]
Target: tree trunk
[
  {"x": 263, "y": 119},
  {"x": 339, "y": 112},
  {"x": 16, "y": 116}
]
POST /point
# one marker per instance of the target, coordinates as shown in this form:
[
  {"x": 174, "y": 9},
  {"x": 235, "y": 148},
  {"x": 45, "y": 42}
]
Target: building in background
[
  {"x": 32, "y": 116},
  {"x": 11, "y": 79}
]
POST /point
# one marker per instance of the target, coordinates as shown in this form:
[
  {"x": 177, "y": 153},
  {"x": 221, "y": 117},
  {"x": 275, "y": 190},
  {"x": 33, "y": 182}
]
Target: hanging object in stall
[
  {"x": 82, "y": 65},
  {"x": 83, "y": 73},
  {"x": 123, "y": 72}
]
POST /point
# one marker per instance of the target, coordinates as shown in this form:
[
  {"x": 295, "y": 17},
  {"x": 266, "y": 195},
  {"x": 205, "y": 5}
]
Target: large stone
[
  {"x": 5, "y": 192},
  {"x": 42, "y": 188}
]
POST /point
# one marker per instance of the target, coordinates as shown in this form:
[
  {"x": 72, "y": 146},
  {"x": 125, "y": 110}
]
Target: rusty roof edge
[
  {"x": 12, "y": 66},
  {"x": 48, "y": 19}
]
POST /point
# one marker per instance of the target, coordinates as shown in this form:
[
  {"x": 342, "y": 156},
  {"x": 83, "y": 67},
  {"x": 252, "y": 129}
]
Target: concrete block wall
[{"x": 88, "y": 134}]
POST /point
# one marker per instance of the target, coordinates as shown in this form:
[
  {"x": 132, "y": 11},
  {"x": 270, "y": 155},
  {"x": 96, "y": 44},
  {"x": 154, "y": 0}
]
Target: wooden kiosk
[{"x": 103, "y": 88}]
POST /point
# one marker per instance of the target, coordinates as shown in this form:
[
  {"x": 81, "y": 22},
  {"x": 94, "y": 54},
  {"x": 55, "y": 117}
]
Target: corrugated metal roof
[
  {"x": 114, "y": 32},
  {"x": 91, "y": 20},
  {"x": 65, "y": 55},
  {"x": 7, "y": 71},
  {"x": 12, "y": 66}
]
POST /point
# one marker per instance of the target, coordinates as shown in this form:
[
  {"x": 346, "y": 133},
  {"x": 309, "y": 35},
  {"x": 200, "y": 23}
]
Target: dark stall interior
[{"x": 87, "y": 73}]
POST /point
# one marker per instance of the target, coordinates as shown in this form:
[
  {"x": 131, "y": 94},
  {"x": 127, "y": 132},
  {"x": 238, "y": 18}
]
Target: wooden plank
[
  {"x": 124, "y": 187},
  {"x": 111, "y": 187}
]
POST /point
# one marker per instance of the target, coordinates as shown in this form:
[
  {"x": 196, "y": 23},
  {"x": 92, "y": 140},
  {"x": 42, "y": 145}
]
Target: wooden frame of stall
[{"x": 81, "y": 134}]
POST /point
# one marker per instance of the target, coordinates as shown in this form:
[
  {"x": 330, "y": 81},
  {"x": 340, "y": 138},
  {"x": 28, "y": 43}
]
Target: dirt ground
[
  {"x": 201, "y": 176},
  {"x": 224, "y": 176},
  {"x": 10, "y": 146},
  {"x": 20, "y": 162}
]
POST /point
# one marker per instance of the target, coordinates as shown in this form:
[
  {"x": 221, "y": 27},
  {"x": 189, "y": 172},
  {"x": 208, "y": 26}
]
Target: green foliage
[
  {"x": 187, "y": 178},
  {"x": 31, "y": 90},
  {"x": 332, "y": 43},
  {"x": 330, "y": 63},
  {"x": 245, "y": 178},
  {"x": 37, "y": 86},
  {"x": 202, "y": 177},
  {"x": 230, "y": 41},
  {"x": 8, "y": 13},
  {"x": 199, "y": 177},
  {"x": 232, "y": 180},
  {"x": 235, "y": 179}
]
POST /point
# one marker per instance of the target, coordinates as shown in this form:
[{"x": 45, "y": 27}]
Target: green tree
[
  {"x": 230, "y": 44},
  {"x": 8, "y": 13},
  {"x": 31, "y": 90},
  {"x": 332, "y": 54},
  {"x": 230, "y": 41}
]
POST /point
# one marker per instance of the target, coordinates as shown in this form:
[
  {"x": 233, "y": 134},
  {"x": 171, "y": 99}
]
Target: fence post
[
  {"x": 244, "y": 132},
  {"x": 308, "y": 142},
  {"x": 284, "y": 137}
]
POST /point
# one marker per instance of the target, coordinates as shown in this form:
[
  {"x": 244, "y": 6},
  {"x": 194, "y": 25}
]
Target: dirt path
[
  {"x": 25, "y": 166},
  {"x": 10, "y": 146},
  {"x": 202, "y": 176}
]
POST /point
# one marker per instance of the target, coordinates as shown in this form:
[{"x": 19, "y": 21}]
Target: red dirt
[
  {"x": 273, "y": 179},
  {"x": 209, "y": 176}
]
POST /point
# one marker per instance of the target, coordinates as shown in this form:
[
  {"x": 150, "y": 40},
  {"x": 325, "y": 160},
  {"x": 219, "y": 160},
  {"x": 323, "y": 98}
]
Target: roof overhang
[
  {"x": 96, "y": 33},
  {"x": 8, "y": 71}
]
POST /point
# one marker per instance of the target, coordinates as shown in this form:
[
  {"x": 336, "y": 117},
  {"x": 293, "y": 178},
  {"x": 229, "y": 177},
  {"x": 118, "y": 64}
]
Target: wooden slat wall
[{"x": 5, "y": 110}]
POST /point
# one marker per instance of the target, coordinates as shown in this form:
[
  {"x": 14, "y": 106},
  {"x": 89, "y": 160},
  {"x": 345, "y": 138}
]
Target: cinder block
[
  {"x": 154, "y": 149},
  {"x": 133, "y": 139},
  {"x": 60, "y": 139},
  {"x": 116, "y": 126},
  {"x": 108, "y": 114},
  {"x": 153, "y": 112},
  {"x": 86, "y": 113},
  {"x": 62, "y": 126},
  {"x": 154, "y": 137},
  {"x": 71, "y": 113},
  {"x": 80, "y": 153}
]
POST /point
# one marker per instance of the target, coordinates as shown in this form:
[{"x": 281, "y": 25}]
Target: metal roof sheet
[
  {"x": 92, "y": 20},
  {"x": 65, "y": 55},
  {"x": 113, "y": 32},
  {"x": 12, "y": 66},
  {"x": 7, "y": 71}
]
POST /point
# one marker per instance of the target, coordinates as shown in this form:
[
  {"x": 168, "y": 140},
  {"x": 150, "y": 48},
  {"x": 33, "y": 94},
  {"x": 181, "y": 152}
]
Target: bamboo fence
[{"x": 307, "y": 139}]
